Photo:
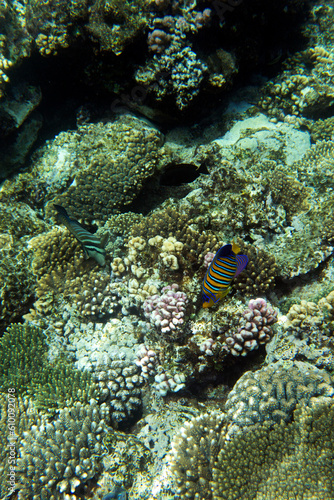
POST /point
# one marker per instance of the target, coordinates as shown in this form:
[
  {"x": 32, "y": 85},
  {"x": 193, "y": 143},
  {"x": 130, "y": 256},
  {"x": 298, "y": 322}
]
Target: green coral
[
  {"x": 54, "y": 23},
  {"x": 25, "y": 366},
  {"x": 116, "y": 23},
  {"x": 288, "y": 460}
]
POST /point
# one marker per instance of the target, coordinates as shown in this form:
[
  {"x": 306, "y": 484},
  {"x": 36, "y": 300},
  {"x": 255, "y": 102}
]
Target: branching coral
[
  {"x": 166, "y": 311},
  {"x": 57, "y": 457},
  {"x": 25, "y": 366}
]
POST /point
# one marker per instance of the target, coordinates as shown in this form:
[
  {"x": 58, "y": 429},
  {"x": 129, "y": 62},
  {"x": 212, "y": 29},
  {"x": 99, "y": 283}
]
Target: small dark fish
[
  {"x": 118, "y": 493},
  {"x": 90, "y": 243},
  {"x": 225, "y": 266}
]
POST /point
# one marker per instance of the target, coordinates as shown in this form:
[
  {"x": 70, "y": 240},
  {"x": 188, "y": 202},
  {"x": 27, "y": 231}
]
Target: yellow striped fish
[
  {"x": 225, "y": 266},
  {"x": 90, "y": 243}
]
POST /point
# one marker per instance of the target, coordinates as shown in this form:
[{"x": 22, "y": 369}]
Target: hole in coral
[{"x": 176, "y": 174}]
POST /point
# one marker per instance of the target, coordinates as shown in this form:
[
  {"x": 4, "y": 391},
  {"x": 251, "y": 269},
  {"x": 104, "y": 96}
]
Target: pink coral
[
  {"x": 254, "y": 328},
  {"x": 166, "y": 311},
  {"x": 158, "y": 40}
]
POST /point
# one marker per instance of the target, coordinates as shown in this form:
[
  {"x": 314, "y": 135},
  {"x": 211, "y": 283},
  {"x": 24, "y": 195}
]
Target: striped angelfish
[
  {"x": 225, "y": 266},
  {"x": 90, "y": 243}
]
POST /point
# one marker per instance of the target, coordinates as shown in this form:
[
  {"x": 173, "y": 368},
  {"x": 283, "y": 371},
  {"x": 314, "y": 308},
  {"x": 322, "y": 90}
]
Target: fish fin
[
  {"x": 209, "y": 301},
  {"x": 223, "y": 292},
  {"x": 61, "y": 211},
  {"x": 242, "y": 261},
  {"x": 235, "y": 248}
]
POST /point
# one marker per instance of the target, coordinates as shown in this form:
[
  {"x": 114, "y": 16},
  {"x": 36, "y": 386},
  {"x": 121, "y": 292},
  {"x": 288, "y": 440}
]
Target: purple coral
[
  {"x": 166, "y": 311},
  {"x": 254, "y": 328}
]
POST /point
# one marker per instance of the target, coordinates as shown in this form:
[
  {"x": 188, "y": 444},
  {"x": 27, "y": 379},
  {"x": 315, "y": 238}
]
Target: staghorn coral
[
  {"x": 57, "y": 457},
  {"x": 272, "y": 393},
  {"x": 254, "y": 328}
]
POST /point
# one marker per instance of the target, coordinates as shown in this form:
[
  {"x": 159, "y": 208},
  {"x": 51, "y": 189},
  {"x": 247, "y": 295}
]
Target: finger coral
[
  {"x": 166, "y": 311},
  {"x": 255, "y": 328}
]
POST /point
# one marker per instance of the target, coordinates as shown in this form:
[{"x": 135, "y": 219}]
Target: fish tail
[{"x": 235, "y": 248}]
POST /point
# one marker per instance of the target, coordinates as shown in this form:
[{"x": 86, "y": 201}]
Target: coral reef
[
  {"x": 271, "y": 394},
  {"x": 178, "y": 72},
  {"x": 196, "y": 445},
  {"x": 118, "y": 23},
  {"x": 118, "y": 156},
  {"x": 286, "y": 461},
  {"x": 259, "y": 276},
  {"x": 120, "y": 383},
  {"x": 263, "y": 460},
  {"x": 25, "y": 366},
  {"x": 254, "y": 328},
  {"x": 57, "y": 457},
  {"x": 166, "y": 311}
]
